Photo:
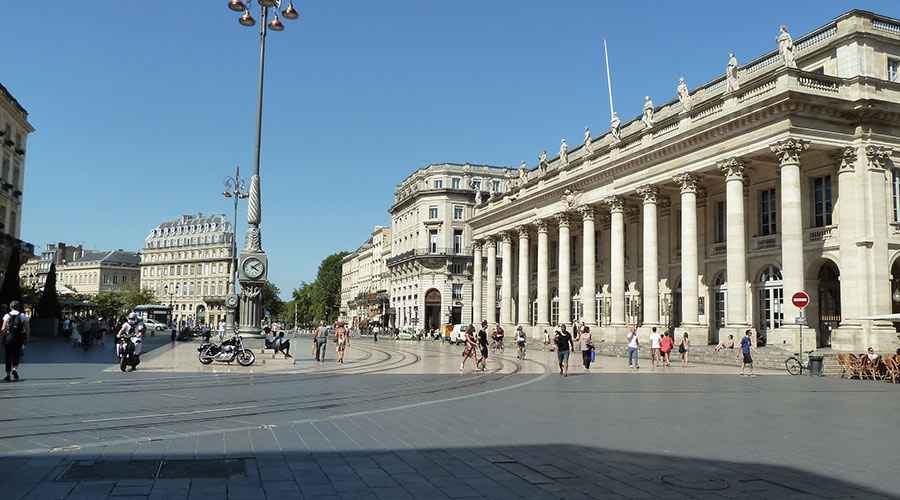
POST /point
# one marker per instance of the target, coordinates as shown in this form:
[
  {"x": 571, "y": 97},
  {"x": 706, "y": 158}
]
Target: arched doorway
[
  {"x": 432, "y": 309},
  {"x": 770, "y": 302},
  {"x": 201, "y": 314},
  {"x": 720, "y": 304},
  {"x": 829, "y": 302}
]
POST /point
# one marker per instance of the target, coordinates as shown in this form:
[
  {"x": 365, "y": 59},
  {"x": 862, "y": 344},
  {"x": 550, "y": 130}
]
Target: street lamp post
[
  {"x": 171, "y": 292},
  {"x": 236, "y": 190},
  {"x": 253, "y": 263}
]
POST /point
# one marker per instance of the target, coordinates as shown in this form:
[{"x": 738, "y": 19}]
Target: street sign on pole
[{"x": 800, "y": 300}]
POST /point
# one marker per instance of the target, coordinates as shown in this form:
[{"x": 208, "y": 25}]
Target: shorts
[
  {"x": 747, "y": 359},
  {"x": 563, "y": 356}
]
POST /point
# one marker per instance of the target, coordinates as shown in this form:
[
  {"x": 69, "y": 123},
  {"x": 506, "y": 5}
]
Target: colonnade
[{"x": 786, "y": 151}]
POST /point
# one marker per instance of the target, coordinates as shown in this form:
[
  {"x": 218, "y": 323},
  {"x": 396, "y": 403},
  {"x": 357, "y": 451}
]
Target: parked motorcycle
[{"x": 226, "y": 352}]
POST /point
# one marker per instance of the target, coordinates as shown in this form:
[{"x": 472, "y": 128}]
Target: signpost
[{"x": 800, "y": 301}]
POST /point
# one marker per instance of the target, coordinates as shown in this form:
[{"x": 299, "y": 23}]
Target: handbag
[
  {"x": 681, "y": 348},
  {"x": 593, "y": 355}
]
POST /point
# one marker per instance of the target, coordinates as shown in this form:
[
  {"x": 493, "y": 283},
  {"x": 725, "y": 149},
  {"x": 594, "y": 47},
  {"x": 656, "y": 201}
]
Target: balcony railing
[
  {"x": 824, "y": 234},
  {"x": 430, "y": 252},
  {"x": 765, "y": 242}
]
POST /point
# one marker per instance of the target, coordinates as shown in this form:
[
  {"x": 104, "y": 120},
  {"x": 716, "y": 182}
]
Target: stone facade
[
  {"x": 33, "y": 273},
  {"x": 188, "y": 262},
  {"x": 365, "y": 280},
  {"x": 94, "y": 271},
  {"x": 431, "y": 263},
  {"x": 14, "y": 130},
  {"x": 708, "y": 214}
]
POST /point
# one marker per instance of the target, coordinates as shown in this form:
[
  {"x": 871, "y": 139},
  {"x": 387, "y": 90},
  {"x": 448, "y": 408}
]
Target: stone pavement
[{"x": 400, "y": 421}]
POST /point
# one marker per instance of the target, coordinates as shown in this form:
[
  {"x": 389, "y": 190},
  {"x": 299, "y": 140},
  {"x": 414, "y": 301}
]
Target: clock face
[
  {"x": 253, "y": 267},
  {"x": 231, "y": 301}
]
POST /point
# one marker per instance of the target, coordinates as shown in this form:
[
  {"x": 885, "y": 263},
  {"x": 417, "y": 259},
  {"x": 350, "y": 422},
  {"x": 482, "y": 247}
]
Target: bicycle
[{"x": 794, "y": 365}]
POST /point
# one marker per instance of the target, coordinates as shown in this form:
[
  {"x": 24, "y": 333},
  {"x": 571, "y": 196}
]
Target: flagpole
[{"x": 608, "y": 79}]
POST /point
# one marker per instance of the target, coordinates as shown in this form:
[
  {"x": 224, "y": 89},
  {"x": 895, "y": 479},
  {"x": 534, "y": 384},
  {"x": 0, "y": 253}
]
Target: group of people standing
[{"x": 661, "y": 346}]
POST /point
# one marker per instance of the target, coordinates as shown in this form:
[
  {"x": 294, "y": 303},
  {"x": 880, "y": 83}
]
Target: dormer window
[{"x": 437, "y": 183}]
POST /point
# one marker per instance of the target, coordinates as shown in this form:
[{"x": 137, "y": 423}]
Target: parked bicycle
[{"x": 794, "y": 365}]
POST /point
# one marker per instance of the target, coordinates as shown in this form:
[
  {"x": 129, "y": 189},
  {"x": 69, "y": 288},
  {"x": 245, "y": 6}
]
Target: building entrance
[
  {"x": 432, "y": 309},
  {"x": 829, "y": 302}
]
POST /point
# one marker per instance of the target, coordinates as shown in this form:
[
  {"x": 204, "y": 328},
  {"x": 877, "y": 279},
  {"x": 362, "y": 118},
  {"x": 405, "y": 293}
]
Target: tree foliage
[
  {"x": 271, "y": 301},
  {"x": 109, "y": 304},
  {"x": 11, "y": 289},
  {"x": 134, "y": 296},
  {"x": 320, "y": 299},
  {"x": 48, "y": 306}
]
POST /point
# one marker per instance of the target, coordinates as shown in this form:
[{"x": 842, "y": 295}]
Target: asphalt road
[{"x": 400, "y": 421}]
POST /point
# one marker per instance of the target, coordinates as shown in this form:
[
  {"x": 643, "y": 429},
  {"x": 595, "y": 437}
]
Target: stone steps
[{"x": 771, "y": 358}]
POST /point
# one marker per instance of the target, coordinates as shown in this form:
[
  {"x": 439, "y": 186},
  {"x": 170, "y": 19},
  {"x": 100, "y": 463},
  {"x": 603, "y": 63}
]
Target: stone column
[
  {"x": 792, "y": 262},
  {"x": 477, "y": 283},
  {"x": 565, "y": 284},
  {"x": 617, "y": 258},
  {"x": 543, "y": 274},
  {"x": 689, "y": 271},
  {"x": 736, "y": 244},
  {"x": 524, "y": 303},
  {"x": 651, "y": 259},
  {"x": 588, "y": 269},
  {"x": 490, "y": 300},
  {"x": 506, "y": 315}
]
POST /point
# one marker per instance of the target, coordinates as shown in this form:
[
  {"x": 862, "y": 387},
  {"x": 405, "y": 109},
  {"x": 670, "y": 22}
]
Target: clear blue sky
[{"x": 142, "y": 108}]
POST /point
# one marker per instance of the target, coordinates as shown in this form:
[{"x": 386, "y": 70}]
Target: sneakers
[{"x": 15, "y": 375}]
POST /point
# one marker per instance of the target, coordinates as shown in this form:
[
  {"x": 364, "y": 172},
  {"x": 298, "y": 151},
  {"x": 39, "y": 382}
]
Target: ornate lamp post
[
  {"x": 236, "y": 190},
  {"x": 171, "y": 292},
  {"x": 253, "y": 263}
]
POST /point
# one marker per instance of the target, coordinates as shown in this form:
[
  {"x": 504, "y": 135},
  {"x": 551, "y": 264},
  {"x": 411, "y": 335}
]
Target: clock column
[{"x": 253, "y": 269}]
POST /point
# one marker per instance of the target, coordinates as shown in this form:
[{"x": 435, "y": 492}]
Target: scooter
[{"x": 226, "y": 352}]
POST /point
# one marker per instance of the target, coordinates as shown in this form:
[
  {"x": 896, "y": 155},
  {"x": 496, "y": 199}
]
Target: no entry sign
[{"x": 800, "y": 299}]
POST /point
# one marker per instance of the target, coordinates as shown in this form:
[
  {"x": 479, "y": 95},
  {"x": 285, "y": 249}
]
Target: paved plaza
[{"x": 399, "y": 420}]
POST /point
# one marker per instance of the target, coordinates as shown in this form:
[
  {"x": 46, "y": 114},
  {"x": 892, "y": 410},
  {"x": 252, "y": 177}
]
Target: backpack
[{"x": 16, "y": 332}]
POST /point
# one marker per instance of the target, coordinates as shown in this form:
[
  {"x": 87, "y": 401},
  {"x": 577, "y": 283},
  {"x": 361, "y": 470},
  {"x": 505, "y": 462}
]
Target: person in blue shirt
[{"x": 746, "y": 346}]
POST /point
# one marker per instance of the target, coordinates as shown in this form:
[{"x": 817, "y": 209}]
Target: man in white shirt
[
  {"x": 654, "y": 347},
  {"x": 633, "y": 344},
  {"x": 15, "y": 330}
]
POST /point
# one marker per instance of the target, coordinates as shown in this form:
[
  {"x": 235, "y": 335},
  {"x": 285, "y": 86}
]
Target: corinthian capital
[
  {"x": 542, "y": 226},
  {"x": 587, "y": 212},
  {"x": 788, "y": 151},
  {"x": 688, "y": 182},
  {"x": 490, "y": 242},
  {"x": 877, "y": 155},
  {"x": 846, "y": 159},
  {"x": 732, "y": 168},
  {"x": 476, "y": 244},
  {"x": 562, "y": 219},
  {"x": 524, "y": 231},
  {"x": 648, "y": 192},
  {"x": 506, "y": 236},
  {"x": 615, "y": 203}
]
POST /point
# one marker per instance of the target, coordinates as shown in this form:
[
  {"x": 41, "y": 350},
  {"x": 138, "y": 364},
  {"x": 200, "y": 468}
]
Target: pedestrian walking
[
  {"x": 654, "y": 347},
  {"x": 67, "y": 327},
  {"x": 564, "y": 346},
  {"x": 342, "y": 339},
  {"x": 683, "y": 349},
  {"x": 665, "y": 347},
  {"x": 633, "y": 345},
  {"x": 547, "y": 340},
  {"x": 320, "y": 341},
  {"x": 471, "y": 349},
  {"x": 587, "y": 347},
  {"x": 483, "y": 343},
  {"x": 15, "y": 331},
  {"x": 375, "y": 333},
  {"x": 746, "y": 347}
]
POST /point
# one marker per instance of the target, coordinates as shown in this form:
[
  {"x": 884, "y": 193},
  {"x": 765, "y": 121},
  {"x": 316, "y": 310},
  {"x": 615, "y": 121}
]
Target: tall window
[
  {"x": 432, "y": 212},
  {"x": 455, "y": 182},
  {"x": 719, "y": 231},
  {"x": 573, "y": 246},
  {"x": 5, "y": 167},
  {"x": 457, "y": 291},
  {"x": 457, "y": 213},
  {"x": 495, "y": 186},
  {"x": 438, "y": 183},
  {"x": 770, "y": 293},
  {"x": 432, "y": 240},
  {"x": 767, "y": 212},
  {"x": 893, "y": 70},
  {"x": 822, "y": 202},
  {"x": 476, "y": 184},
  {"x": 895, "y": 195},
  {"x": 12, "y": 224},
  {"x": 457, "y": 241}
]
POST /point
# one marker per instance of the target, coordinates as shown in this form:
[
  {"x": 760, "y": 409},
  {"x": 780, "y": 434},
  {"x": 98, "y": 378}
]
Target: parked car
[
  {"x": 152, "y": 324},
  {"x": 408, "y": 334},
  {"x": 457, "y": 335}
]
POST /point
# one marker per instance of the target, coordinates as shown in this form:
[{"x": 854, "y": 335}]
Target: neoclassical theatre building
[{"x": 707, "y": 213}]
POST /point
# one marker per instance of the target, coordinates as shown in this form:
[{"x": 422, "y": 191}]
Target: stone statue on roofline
[
  {"x": 523, "y": 174},
  {"x": 731, "y": 74},
  {"x": 588, "y": 147},
  {"x": 614, "y": 124},
  {"x": 564, "y": 152},
  {"x": 478, "y": 198},
  {"x": 786, "y": 47},
  {"x": 647, "y": 117},
  {"x": 684, "y": 95}
]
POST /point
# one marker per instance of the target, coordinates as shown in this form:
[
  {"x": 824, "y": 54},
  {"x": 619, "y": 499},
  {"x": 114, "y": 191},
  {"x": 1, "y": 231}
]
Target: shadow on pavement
[
  {"x": 59, "y": 351},
  {"x": 533, "y": 472}
]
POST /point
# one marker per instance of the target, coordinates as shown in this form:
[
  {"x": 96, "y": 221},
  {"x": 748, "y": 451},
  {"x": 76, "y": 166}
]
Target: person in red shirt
[{"x": 665, "y": 346}]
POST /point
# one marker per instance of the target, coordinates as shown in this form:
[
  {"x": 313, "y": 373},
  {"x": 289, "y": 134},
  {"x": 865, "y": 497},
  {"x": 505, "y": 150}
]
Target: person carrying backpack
[{"x": 15, "y": 334}]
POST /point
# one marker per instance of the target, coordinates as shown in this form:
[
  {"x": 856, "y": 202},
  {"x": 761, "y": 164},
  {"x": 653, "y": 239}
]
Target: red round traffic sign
[{"x": 800, "y": 299}]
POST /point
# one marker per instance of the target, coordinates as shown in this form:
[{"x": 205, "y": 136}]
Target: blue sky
[{"x": 143, "y": 108}]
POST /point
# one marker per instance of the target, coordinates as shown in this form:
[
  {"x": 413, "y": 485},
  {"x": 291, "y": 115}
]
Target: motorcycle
[
  {"x": 129, "y": 351},
  {"x": 226, "y": 352}
]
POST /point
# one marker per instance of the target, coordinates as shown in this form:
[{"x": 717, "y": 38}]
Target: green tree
[
  {"x": 11, "y": 289},
  {"x": 134, "y": 296},
  {"x": 109, "y": 304},
  {"x": 327, "y": 290},
  {"x": 270, "y": 299},
  {"x": 48, "y": 306}
]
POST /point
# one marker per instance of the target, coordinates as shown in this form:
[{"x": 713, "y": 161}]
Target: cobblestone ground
[{"x": 399, "y": 420}]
